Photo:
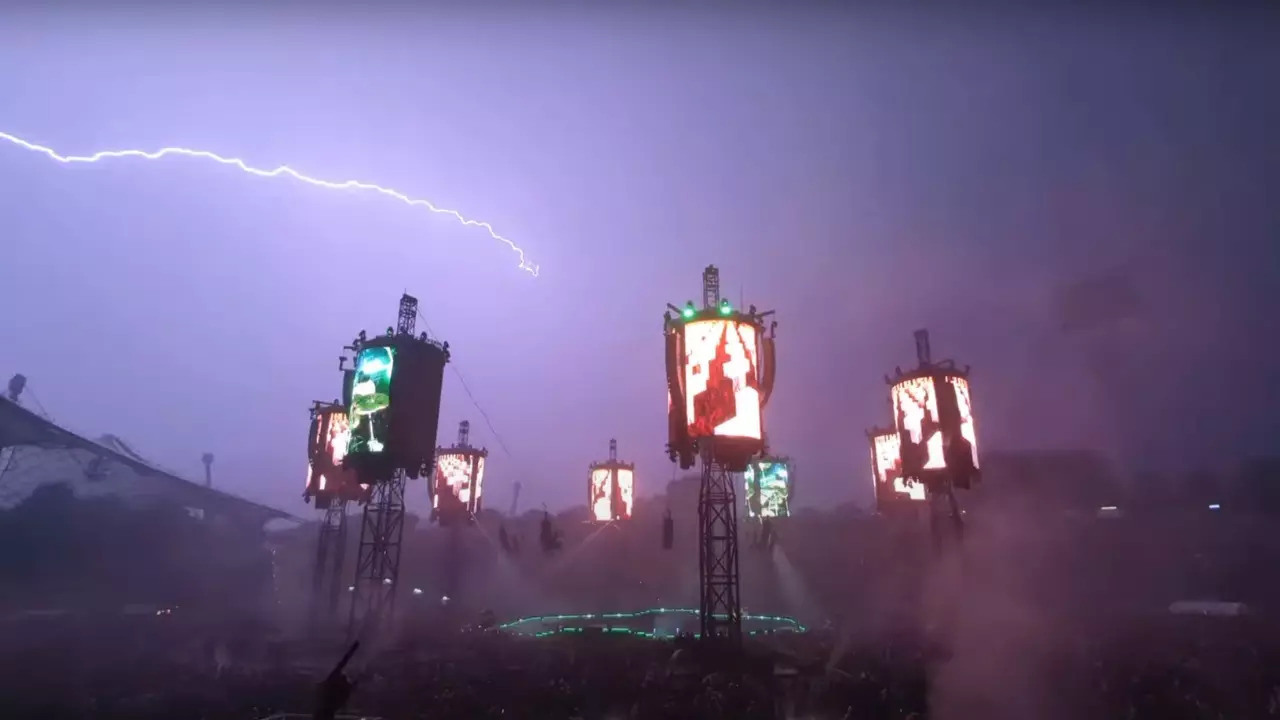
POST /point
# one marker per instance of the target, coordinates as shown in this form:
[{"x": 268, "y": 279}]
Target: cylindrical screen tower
[
  {"x": 719, "y": 376},
  {"x": 611, "y": 488},
  {"x": 720, "y": 370},
  {"x": 395, "y": 405},
  {"x": 933, "y": 416},
  {"x": 457, "y": 489}
]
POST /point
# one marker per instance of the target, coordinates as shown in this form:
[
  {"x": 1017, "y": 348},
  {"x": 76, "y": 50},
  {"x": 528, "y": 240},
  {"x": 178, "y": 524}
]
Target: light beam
[{"x": 525, "y": 264}]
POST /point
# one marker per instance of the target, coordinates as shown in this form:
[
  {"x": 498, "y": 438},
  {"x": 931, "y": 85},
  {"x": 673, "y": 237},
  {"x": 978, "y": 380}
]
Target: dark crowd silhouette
[{"x": 1052, "y": 609}]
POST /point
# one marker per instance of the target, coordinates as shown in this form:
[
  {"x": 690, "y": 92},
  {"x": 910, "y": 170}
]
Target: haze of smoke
[{"x": 995, "y": 635}]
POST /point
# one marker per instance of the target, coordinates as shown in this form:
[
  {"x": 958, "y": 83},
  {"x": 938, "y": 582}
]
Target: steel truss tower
[
  {"x": 723, "y": 454},
  {"x": 946, "y": 521},
  {"x": 331, "y": 550},
  {"x": 378, "y": 561},
  {"x": 720, "y": 610},
  {"x": 373, "y": 596}
]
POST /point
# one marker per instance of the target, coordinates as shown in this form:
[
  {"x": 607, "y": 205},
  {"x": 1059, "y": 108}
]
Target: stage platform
[{"x": 655, "y": 623}]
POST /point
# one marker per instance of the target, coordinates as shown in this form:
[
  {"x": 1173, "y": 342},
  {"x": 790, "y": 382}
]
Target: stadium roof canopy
[{"x": 27, "y": 431}]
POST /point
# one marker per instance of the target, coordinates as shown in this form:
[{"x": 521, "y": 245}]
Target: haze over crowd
[{"x": 865, "y": 175}]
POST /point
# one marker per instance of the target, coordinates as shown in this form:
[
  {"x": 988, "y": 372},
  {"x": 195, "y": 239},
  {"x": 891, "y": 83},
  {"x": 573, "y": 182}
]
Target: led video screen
[
  {"x": 965, "y": 406},
  {"x": 768, "y": 489},
  {"x": 601, "y": 494},
  {"x": 604, "y": 505},
  {"x": 329, "y": 448},
  {"x": 626, "y": 491},
  {"x": 915, "y": 409},
  {"x": 890, "y": 484},
  {"x": 477, "y": 485},
  {"x": 337, "y": 436},
  {"x": 458, "y": 482},
  {"x": 371, "y": 400},
  {"x": 721, "y": 379}
]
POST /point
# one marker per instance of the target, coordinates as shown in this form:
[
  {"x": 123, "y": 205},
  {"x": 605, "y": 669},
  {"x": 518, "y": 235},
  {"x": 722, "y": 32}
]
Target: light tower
[
  {"x": 394, "y": 413},
  {"x": 610, "y": 497},
  {"x": 720, "y": 371},
  {"x": 937, "y": 441},
  {"x": 457, "y": 487},
  {"x": 331, "y": 486}
]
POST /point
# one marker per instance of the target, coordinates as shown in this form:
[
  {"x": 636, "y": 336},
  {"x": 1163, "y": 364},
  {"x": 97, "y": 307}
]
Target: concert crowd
[
  {"x": 1204, "y": 673},
  {"x": 1064, "y": 618}
]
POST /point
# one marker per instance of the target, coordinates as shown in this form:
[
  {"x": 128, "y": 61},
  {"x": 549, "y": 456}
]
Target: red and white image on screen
[
  {"x": 626, "y": 490},
  {"x": 722, "y": 395},
  {"x": 915, "y": 407},
  {"x": 454, "y": 483},
  {"x": 604, "y": 506},
  {"x": 333, "y": 434},
  {"x": 339, "y": 436},
  {"x": 602, "y": 494},
  {"x": 965, "y": 405},
  {"x": 889, "y": 468},
  {"x": 312, "y": 480}
]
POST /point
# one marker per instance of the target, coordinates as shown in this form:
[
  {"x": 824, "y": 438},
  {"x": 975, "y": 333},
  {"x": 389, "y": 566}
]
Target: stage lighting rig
[
  {"x": 611, "y": 488},
  {"x": 720, "y": 373}
]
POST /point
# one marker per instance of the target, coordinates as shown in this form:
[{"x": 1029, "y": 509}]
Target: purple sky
[{"x": 865, "y": 176}]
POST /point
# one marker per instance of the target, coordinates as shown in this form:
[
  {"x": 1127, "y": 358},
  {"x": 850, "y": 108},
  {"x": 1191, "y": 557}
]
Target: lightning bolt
[{"x": 283, "y": 170}]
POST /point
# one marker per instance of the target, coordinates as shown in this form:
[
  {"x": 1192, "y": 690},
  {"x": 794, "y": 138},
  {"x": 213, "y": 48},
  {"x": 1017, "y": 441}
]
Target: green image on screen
[
  {"x": 370, "y": 399},
  {"x": 768, "y": 490}
]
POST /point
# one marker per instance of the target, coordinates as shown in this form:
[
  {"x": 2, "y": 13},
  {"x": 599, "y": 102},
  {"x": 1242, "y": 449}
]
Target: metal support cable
[{"x": 467, "y": 389}]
